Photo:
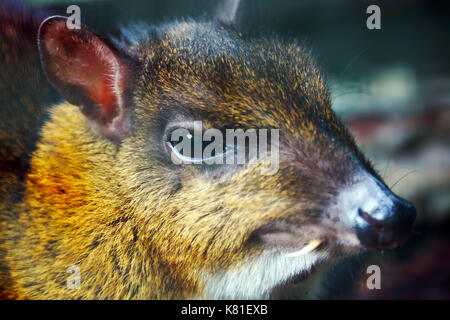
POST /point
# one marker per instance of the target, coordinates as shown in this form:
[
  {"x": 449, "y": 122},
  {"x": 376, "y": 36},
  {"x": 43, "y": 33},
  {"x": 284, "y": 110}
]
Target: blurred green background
[{"x": 391, "y": 86}]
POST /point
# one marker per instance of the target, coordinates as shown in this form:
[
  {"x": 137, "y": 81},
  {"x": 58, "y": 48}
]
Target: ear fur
[{"x": 88, "y": 72}]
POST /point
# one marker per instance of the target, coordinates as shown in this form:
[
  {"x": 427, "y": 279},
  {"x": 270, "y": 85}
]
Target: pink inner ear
[
  {"x": 77, "y": 57},
  {"x": 96, "y": 75},
  {"x": 88, "y": 72}
]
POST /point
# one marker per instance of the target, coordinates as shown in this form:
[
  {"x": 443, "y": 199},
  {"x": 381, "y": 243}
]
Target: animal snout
[
  {"x": 385, "y": 226},
  {"x": 379, "y": 218}
]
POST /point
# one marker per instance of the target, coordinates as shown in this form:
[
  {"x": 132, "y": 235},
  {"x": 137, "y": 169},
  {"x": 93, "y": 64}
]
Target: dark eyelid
[
  {"x": 176, "y": 125},
  {"x": 180, "y": 124},
  {"x": 189, "y": 125}
]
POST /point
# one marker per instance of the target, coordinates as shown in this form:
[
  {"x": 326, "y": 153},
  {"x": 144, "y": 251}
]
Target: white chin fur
[{"x": 258, "y": 277}]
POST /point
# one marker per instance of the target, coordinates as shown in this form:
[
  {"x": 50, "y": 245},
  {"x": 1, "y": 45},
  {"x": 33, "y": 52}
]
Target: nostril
[
  {"x": 369, "y": 219},
  {"x": 388, "y": 232},
  {"x": 379, "y": 218}
]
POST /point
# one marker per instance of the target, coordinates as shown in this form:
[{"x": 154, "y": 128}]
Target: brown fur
[{"x": 139, "y": 226}]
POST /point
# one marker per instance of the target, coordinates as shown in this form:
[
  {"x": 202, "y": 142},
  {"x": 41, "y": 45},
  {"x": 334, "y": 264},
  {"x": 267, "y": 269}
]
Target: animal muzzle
[{"x": 379, "y": 218}]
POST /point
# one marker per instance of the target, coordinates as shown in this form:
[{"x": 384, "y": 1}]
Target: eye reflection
[{"x": 189, "y": 147}]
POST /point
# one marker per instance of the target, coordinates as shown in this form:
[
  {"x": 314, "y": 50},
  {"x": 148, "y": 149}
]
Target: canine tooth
[{"x": 311, "y": 246}]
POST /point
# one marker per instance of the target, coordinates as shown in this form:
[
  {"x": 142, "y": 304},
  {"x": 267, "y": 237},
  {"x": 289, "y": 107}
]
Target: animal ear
[
  {"x": 88, "y": 72},
  {"x": 229, "y": 12}
]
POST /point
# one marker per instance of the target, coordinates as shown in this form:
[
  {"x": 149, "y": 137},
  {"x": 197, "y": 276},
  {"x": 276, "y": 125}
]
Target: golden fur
[{"x": 140, "y": 227}]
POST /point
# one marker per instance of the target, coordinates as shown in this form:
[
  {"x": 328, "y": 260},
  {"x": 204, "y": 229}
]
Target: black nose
[{"x": 386, "y": 226}]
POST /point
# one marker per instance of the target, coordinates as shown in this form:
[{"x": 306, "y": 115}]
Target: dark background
[{"x": 391, "y": 86}]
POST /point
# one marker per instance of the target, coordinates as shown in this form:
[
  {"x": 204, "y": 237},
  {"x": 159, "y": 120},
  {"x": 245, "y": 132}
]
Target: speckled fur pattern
[{"x": 141, "y": 227}]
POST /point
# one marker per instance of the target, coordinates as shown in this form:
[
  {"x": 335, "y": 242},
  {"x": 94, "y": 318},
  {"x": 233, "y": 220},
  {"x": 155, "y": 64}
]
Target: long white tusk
[{"x": 311, "y": 246}]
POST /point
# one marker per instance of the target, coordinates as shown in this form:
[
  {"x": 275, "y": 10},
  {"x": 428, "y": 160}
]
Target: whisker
[
  {"x": 359, "y": 91},
  {"x": 387, "y": 167},
  {"x": 404, "y": 176},
  {"x": 353, "y": 60}
]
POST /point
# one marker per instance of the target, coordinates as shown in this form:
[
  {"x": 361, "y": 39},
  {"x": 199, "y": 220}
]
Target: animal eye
[{"x": 189, "y": 146}]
